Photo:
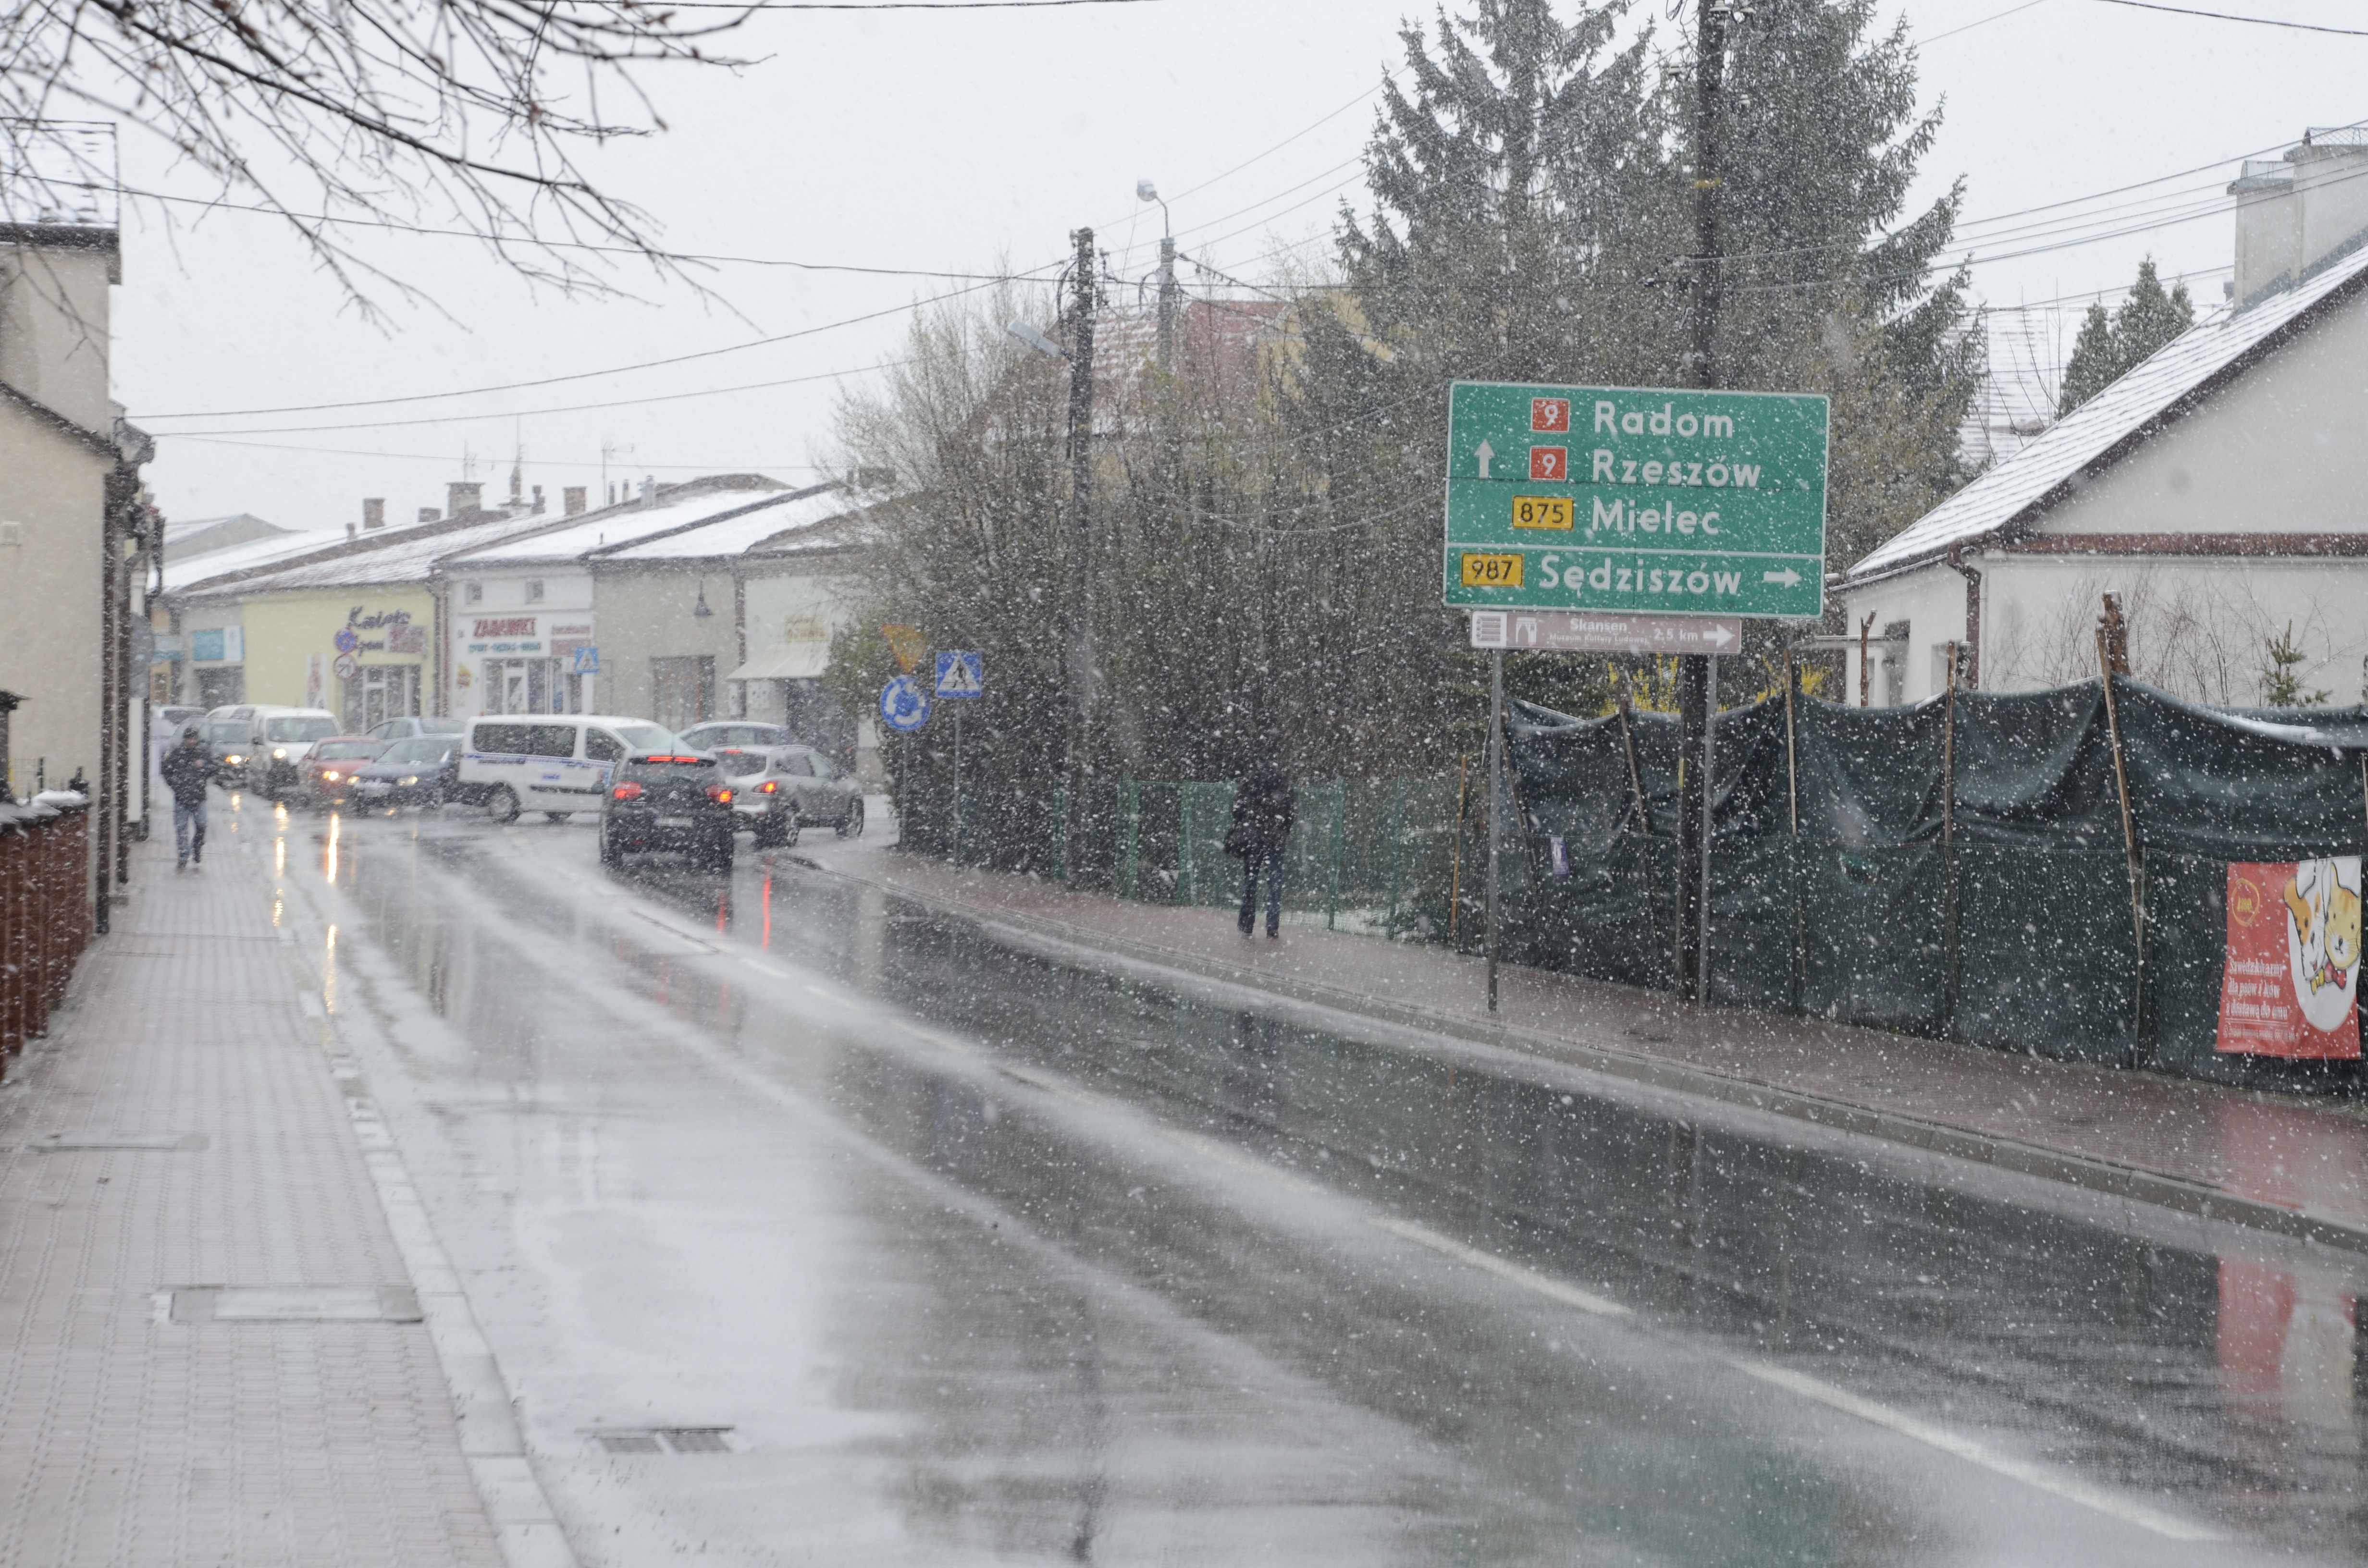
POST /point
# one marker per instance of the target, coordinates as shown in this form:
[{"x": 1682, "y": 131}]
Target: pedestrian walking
[
  {"x": 1260, "y": 830},
  {"x": 188, "y": 771}
]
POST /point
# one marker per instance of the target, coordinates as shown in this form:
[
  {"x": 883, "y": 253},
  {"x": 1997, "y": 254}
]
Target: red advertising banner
[{"x": 2291, "y": 987}]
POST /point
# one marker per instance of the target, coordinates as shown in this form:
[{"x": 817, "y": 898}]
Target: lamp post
[{"x": 1146, "y": 191}]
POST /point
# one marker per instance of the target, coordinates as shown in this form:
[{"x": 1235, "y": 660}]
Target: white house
[{"x": 2215, "y": 488}]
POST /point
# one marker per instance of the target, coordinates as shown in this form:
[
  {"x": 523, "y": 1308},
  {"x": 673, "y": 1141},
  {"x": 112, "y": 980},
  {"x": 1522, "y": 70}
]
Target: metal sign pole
[
  {"x": 958, "y": 809},
  {"x": 1496, "y": 791},
  {"x": 1702, "y": 894}
]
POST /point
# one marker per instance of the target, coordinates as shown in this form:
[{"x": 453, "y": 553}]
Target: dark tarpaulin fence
[{"x": 1958, "y": 869}]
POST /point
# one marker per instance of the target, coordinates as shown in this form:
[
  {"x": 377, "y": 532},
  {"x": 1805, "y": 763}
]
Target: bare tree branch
[{"x": 376, "y": 109}]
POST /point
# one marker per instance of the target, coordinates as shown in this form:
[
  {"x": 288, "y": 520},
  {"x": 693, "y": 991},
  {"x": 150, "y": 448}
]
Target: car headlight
[
  {"x": 330, "y": 775},
  {"x": 279, "y": 755},
  {"x": 413, "y": 779},
  {"x": 234, "y": 761}
]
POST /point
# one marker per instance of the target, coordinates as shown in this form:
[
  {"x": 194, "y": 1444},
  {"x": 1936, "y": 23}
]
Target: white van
[{"x": 553, "y": 763}]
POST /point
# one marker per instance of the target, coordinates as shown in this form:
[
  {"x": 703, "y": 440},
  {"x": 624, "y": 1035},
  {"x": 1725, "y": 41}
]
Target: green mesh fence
[{"x": 1958, "y": 875}]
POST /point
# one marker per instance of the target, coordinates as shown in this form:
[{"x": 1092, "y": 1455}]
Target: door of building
[
  {"x": 682, "y": 691},
  {"x": 380, "y": 692}
]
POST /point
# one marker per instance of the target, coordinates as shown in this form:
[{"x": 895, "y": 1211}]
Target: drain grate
[
  {"x": 664, "y": 1440},
  {"x": 72, "y": 1142},
  {"x": 295, "y": 1303}
]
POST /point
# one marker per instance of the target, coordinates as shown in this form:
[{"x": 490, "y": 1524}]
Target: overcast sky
[{"x": 965, "y": 144}]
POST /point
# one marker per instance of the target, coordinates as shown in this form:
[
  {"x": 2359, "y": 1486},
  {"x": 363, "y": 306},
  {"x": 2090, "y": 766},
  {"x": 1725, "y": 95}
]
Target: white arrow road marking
[
  {"x": 1484, "y": 454},
  {"x": 1789, "y": 577}
]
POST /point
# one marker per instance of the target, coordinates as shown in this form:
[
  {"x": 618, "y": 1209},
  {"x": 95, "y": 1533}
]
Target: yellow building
[{"x": 357, "y": 629}]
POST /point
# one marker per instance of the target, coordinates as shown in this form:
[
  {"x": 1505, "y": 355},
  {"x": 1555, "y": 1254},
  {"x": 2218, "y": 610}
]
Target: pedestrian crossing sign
[{"x": 961, "y": 674}]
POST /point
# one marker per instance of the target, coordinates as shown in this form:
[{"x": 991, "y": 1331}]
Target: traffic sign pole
[{"x": 1495, "y": 794}]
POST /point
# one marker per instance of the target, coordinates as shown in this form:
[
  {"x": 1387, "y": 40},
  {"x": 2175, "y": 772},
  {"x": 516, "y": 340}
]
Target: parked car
[
  {"x": 263, "y": 746},
  {"x": 421, "y": 771},
  {"x": 716, "y": 734},
  {"x": 326, "y": 774},
  {"x": 405, "y": 729},
  {"x": 765, "y": 802},
  {"x": 668, "y": 800},
  {"x": 822, "y": 796},
  {"x": 552, "y": 763}
]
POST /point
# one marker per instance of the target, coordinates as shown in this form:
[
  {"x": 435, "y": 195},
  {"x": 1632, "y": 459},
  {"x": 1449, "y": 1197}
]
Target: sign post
[
  {"x": 961, "y": 675},
  {"x": 1600, "y": 519}
]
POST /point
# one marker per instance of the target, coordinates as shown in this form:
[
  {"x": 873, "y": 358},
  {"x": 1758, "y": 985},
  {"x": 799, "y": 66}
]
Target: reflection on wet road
[{"x": 982, "y": 1252}]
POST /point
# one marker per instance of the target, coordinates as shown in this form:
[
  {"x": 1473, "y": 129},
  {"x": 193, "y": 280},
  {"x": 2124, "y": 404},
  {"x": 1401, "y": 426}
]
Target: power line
[
  {"x": 447, "y": 457},
  {"x": 578, "y": 376},
  {"x": 655, "y": 254},
  {"x": 525, "y": 413},
  {"x": 2228, "y": 16},
  {"x": 1969, "y": 27},
  {"x": 889, "y": 4}
]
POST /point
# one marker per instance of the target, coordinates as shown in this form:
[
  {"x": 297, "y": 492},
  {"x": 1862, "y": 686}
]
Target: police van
[{"x": 553, "y": 763}]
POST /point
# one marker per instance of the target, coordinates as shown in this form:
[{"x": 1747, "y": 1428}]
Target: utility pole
[
  {"x": 1695, "y": 696},
  {"x": 1167, "y": 305},
  {"x": 1081, "y": 507}
]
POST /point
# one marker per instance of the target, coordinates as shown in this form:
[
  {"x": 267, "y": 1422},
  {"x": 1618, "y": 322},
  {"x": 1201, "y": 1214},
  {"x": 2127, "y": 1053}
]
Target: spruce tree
[{"x": 2110, "y": 347}]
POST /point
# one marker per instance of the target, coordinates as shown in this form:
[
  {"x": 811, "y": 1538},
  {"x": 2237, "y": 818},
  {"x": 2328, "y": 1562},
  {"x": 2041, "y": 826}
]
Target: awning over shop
[{"x": 786, "y": 661}]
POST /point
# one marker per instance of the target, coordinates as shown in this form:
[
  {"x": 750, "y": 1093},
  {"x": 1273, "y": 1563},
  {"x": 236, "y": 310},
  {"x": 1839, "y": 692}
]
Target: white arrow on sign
[
  {"x": 1788, "y": 577},
  {"x": 1717, "y": 636},
  {"x": 1484, "y": 454}
]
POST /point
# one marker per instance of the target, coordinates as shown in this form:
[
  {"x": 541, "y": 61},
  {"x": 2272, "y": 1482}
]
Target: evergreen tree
[
  {"x": 2110, "y": 347},
  {"x": 2281, "y": 664}
]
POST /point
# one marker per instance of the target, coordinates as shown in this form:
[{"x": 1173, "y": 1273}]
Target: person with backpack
[
  {"x": 188, "y": 770},
  {"x": 1261, "y": 828}
]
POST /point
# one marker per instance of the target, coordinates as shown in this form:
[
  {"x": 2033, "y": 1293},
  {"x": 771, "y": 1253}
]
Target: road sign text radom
[{"x": 1627, "y": 498}]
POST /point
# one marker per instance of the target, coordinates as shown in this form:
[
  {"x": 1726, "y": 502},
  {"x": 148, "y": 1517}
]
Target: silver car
[{"x": 778, "y": 789}]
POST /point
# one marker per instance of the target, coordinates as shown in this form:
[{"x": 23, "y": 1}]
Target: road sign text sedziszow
[{"x": 1632, "y": 499}]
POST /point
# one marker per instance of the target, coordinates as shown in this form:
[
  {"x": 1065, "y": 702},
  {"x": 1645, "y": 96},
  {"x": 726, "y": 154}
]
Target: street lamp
[
  {"x": 1146, "y": 191},
  {"x": 1036, "y": 340}
]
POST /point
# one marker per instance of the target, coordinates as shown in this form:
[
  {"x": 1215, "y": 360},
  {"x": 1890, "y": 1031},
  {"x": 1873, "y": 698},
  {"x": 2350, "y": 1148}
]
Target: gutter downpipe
[{"x": 1972, "y": 653}]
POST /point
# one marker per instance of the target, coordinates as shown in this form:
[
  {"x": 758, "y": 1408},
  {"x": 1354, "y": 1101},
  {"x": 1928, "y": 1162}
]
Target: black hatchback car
[
  {"x": 422, "y": 771},
  {"x": 676, "y": 800}
]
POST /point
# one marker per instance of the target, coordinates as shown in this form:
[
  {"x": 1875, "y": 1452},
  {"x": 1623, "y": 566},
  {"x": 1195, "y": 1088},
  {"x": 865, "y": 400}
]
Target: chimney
[
  {"x": 538, "y": 500},
  {"x": 350, "y": 531},
  {"x": 573, "y": 496},
  {"x": 428, "y": 513},
  {"x": 374, "y": 512},
  {"x": 2295, "y": 211},
  {"x": 649, "y": 489},
  {"x": 515, "y": 479},
  {"x": 464, "y": 495}
]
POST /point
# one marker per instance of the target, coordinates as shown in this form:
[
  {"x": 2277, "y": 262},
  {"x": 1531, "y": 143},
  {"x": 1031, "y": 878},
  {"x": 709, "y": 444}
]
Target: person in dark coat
[
  {"x": 1261, "y": 827},
  {"x": 188, "y": 770}
]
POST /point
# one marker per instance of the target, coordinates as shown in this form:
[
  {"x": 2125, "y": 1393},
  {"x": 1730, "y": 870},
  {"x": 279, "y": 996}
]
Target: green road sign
[{"x": 1641, "y": 499}]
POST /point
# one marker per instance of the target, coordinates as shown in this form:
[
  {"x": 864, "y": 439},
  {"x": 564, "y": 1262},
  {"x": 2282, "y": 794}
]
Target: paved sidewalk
[
  {"x": 2294, "y": 1166},
  {"x": 127, "y": 1437}
]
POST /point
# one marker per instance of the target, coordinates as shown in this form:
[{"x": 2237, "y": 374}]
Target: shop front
[
  {"x": 362, "y": 654},
  {"x": 511, "y": 663}
]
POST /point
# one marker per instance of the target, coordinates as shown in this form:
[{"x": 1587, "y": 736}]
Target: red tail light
[
  {"x": 628, "y": 792},
  {"x": 768, "y": 787},
  {"x": 719, "y": 794}
]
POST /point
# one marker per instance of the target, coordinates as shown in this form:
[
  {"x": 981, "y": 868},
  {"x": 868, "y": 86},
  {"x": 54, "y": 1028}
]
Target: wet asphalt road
[{"x": 978, "y": 1252}]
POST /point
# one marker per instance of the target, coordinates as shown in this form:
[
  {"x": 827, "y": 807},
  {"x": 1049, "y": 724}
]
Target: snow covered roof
[
  {"x": 183, "y": 572},
  {"x": 392, "y": 555},
  {"x": 605, "y": 532},
  {"x": 740, "y": 531},
  {"x": 2115, "y": 422}
]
